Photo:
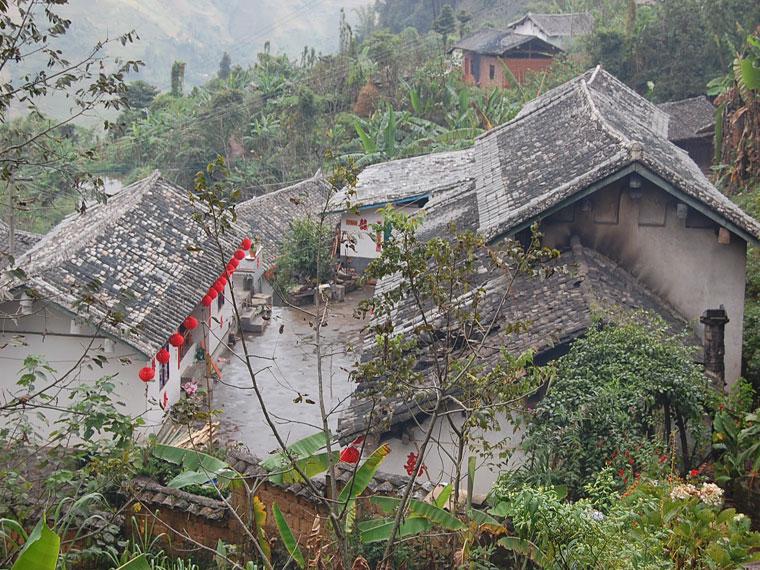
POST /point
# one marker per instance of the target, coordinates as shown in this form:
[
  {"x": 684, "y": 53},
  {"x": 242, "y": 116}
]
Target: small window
[{"x": 491, "y": 72}]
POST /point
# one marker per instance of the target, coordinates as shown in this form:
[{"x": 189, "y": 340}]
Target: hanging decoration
[
  {"x": 231, "y": 267},
  {"x": 240, "y": 254},
  {"x": 147, "y": 374},
  {"x": 176, "y": 340},
  {"x": 206, "y": 301},
  {"x": 223, "y": 280},
  {"x": 235, "y": 262},
  {"x": 213, "y": 293},
  {"x": 218, "y": 287},
  {"x": 350, "y": 455},
  {"x": 163, "y": 356},
  {"x": 246, "y": 243},
  {"x": 190, "y": 323}
]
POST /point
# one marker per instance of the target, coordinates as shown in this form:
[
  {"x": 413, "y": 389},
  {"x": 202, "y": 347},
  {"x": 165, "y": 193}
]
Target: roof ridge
[{"x": 634, "y": 147}]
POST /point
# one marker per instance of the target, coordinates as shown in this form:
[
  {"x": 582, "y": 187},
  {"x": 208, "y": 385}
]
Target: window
[{"x": 491, "y": 72}]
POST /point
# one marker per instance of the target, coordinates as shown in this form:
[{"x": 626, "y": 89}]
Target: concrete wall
[
  {"x": 477, "y": 69},
  {"x": 678, "y": 259},
  {"x": 359, "y": 242}
]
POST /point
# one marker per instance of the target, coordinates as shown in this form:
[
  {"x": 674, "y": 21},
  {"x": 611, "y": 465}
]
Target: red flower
[
  {"x": 663, "y": 458},
  {"x": 411, "y": 465},
  {"x": 693, "y": 473},
  {"x": 621, "y": 473},
  {"x": 630, "y": 461},
  {"x": 350, "y": 455}
]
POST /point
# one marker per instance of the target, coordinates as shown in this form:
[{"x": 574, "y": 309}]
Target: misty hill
[{"x": 199, "y": 31}]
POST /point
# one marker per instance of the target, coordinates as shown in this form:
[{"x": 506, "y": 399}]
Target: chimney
[{"x": 715, "y": 347}]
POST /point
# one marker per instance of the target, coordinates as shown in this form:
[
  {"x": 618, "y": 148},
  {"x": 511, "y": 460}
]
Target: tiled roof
[
  {"x": 140, "y": 254},
  {"x": 268, "y": 217},
  {"x": 24, "y": 240},
  {"x": 690, "y": 118},
  {"x": 397, "y": 180},
  {"x": 498, "y": 42},
  {"x": 574, "y": 136},
  {"x": 554, "y": 310},
  {"x": 561, "y": 25}
]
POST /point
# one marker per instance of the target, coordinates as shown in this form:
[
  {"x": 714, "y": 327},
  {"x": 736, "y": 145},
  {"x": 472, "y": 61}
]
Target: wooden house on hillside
[
  {"x": 486, "y": 53},
  {"x": 560, "y": 30},
  {"x": 692, "y": 127}
]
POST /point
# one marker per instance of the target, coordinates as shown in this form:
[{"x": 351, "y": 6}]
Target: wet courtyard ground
[{"x": 284, "y": 359}]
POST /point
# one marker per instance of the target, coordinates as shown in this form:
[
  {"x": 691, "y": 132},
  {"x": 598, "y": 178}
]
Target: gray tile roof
[
  {"x": 140, "y": 254},
  {"x": 24, "y": 240},
  {"x": 268, "y": 217},
  {"x": 690, "y": 118},
  {"x": 574, "y": 136},
  {"x": 409, "y": 178},
  {"x": 497, "y": 42},
  {"x": 554, "y": 310},
  {"x": 561, "y": 25}
]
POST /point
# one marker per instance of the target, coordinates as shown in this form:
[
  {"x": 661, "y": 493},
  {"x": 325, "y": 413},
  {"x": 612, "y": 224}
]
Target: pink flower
[{"x": 190, "y": 388}]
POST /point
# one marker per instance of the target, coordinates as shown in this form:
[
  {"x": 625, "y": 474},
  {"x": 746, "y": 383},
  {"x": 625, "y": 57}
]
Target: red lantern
[
  {"x": 231, "y": 267},
  {"x": 240, "y": 254},
  {"x": 218, "y": 287},
  {"x": 163, "y": 356},
  {"x": 350, "y": 455},
  {"x": 246, "y": 243},
  {"x": 222, "y": 280},
  {"x": 206, "y": 301},
  {"x": 190, "y": 323},
  {"x": 212, "y": 293},
  {"x": 176, "y": 340},
  {"x": 235, "y": 262},
  {"x": 147, "y": 374}
]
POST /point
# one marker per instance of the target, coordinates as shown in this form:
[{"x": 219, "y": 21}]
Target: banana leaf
[{"x": 287, "y": 537}]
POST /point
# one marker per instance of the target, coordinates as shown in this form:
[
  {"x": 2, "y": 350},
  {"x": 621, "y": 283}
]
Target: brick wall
[{"x": 519, "y": 66}]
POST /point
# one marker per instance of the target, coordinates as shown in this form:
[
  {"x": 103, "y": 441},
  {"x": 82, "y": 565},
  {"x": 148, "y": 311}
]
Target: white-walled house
[
  {"x": 116, "y": 282},
  {"x": 558, "y": 29},
  {"x": 407, "y": 184}
]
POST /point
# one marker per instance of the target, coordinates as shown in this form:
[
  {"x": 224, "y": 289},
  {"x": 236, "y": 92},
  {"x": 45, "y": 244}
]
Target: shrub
[
  {"x": 305, "y": 242},
  {"x": 619, "y": 395}
]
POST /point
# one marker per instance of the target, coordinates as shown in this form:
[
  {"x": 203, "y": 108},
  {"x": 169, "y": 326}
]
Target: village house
[
  {"x": 692, "y": 127},
  {"x": 22, "y": 241},
  {"x": 268, "y": 219},
  {"x": 133, "y": 289},
  {"x": 406, "y": 184},
  {"x": 560, "y": 30},
  {"x": 486, "y": 53},
  {"x": 637, "y": 223}
]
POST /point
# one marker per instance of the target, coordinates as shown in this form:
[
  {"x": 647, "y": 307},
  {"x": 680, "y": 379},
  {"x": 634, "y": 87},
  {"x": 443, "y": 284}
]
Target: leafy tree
[
  {"x": 463, "y": 18},
  {"x": 445, "y": 24},
  {"x": 140, "y": 94},
  {"x": 623, "y": 387},
  {"x": 306, "y": 242},
  {"x": 224, "y": 67},
  {"x": 178, "y": 78}
]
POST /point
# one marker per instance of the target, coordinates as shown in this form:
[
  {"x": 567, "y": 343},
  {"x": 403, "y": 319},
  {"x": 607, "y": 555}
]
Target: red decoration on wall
[
  {"x": 206, "y": 301},
  {"x": 190, "y": 323},
  {"x": 218, "y": 287},
  {"x": 163, "y": 356},
  {"x": 235, "y": 261},
  {"x": 176, "y": 340},
  {"x": 212, "y": 293},
  {"x": 246, "y": 243},
  {"x": 240, "y": 254},
  {"x": 147, "y": 374},
  {"x": 231, "y": 267}
]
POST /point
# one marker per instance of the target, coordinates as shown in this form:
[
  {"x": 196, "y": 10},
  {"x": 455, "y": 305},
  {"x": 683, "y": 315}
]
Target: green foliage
[
  {"x": 306, "y": 254},
  {"x": 622, "y": 391},
  {"x": 287, "y": 537},
  {"x": 197, "y": 468},
  {"x": 40, "y": 550},
  {"x": 445, "y": 24}
]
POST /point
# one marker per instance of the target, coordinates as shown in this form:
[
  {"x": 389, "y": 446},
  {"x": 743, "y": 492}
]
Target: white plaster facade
[
  {"x": 359, "y": 242},
  {"x": 51, "y": 332},
  {"x": 671, "y": 249}
]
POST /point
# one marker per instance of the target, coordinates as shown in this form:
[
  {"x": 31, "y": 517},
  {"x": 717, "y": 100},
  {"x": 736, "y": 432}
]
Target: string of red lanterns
[{"x": 148, "y": 373}]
